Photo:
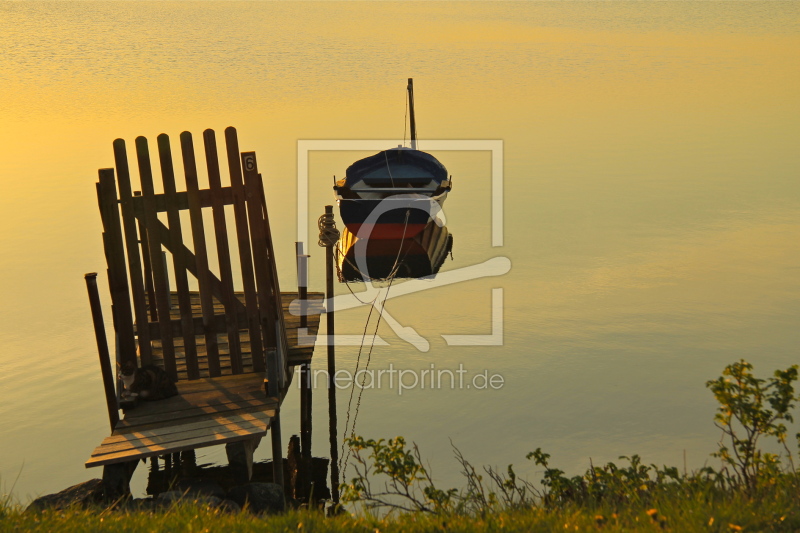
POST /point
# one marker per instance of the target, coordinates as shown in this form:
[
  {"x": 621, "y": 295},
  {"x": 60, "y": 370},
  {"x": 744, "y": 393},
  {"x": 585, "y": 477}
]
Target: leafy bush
[{"x": 750, "y": 409}]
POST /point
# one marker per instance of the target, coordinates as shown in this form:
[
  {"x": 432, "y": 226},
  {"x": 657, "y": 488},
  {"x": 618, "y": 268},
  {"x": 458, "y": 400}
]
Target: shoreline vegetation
[{"x": 753, "y": 490}]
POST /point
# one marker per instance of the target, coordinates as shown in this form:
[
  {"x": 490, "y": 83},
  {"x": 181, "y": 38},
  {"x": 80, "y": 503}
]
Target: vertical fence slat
[
  {"x": 243, "y": 240},
  {"x": 178, "y": 259},
  {"x": 132, "y": 247},
  {"x": 148, "y": 271},
  {"x": 223, "y": 250},
  {"x": 115, "y": 259},
  {"x": 156, "y": 262},
  {"x": 283, "y": 362},
  {"x": 261, "y": 260},
  {"x": 199, "y": 240}
]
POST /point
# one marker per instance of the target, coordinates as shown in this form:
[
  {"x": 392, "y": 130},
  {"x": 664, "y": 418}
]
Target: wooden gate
[
  {"x": 165, "y": 323},
  {"x": 217, "y": 342}
]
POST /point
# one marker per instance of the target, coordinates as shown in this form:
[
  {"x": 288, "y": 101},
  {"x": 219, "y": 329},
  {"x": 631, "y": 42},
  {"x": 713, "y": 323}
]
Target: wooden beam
[
  {"x": 226, "y": 296},
  {"x": 178, "y": 259},
  {"x": 156, "y": 261},
  {"x": 203, "y": 274}
]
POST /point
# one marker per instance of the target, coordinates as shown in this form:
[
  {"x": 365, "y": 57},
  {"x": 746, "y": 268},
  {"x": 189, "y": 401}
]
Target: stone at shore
[
  {"x": 83, "y": 494},
  {"x": 194, "y": 486},
  {"x": 171, "y": 497},
  {"x": 267, "y": 498}
]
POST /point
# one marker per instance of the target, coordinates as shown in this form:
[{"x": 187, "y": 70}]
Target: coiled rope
[{"x": 328, "y": 234}]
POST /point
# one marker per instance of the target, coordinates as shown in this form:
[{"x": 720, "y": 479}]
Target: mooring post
[
  {"x": 102, "y": 349},
  {"x": 305, "y": 374},
  {"x": 328, "y": 237}
]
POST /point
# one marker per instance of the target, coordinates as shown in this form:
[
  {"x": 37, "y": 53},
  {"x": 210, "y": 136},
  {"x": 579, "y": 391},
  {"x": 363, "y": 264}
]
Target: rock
[
  {"x": 200, "y": 487},
  {"x": 137, "y": 504},
  {"x": 82, "y": 494},
  {"x": 230, "y": 506},
  {"x": 166, "y": 499},
  {"x": 259, "y": 497}
]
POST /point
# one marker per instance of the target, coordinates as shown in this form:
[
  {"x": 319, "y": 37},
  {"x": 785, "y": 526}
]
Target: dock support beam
[
  {"x": 328, "y": 237},
  {"x": 305, "y": 376},
  {"x": 240, "y": 459},
  {"x": 117, "y": 479},
  {"x": 102, "y": 349}
]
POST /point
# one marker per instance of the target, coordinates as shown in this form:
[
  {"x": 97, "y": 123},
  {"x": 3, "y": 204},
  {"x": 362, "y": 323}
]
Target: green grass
[
  {"x": 774, "y": 509},
  {"x": 753, "y": 491}
]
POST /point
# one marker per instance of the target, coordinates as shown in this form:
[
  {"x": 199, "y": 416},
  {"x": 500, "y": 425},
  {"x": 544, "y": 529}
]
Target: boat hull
[
  {"x": 375, "y": 259},
  {"x": 396, "y": 217}
]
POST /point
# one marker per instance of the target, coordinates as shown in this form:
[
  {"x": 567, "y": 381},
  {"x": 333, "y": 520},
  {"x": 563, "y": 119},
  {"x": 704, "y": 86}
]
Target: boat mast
[{"x": 411, "y": 113}]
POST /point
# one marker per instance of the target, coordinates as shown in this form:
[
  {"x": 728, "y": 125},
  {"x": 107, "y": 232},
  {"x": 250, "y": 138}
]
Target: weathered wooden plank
[
  {"x": 189, "y": 444},
  {"x": 207, "y": 402},
  {"x": 102, "y": 349},
  {"x": 178, "y": 260},
  {"x": 296, "y": 353},
  {"x": 182, "y": 200},
  {"x": 148, "y": 270},
  {"x": 282, "y": 361},
  {"x": 161, "y": 430},
  {"x": 243, "y": 241},
  {"x": 246, "y": 405},
  {"x": 217, "y": 287},
  {"x": 159, "y": 275},
  {"x": 263, "y": 272},
  {"x": 132, "y": 247},
  {"x": 201, "y": 403},
  {"x": 218, "y": 426},
  {"x": 228, "y": 299},
  {"x": 198, "y": 325},
  {"x": 115, "y": 259},
  {"x": 199, "y": 240}
]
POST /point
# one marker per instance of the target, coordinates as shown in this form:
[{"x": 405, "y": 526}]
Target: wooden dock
[
  {"x": 231, "y": 351},
  {"x": 297, "y": 353},
  {"x": 207, "y": 411}
]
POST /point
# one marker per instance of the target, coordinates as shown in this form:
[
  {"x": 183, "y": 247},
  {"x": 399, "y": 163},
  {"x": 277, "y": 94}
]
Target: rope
[
  {"x": 388, "y": 167},
  {"x": 391, "y": 278},
  {"x": 328, "y": 234}
]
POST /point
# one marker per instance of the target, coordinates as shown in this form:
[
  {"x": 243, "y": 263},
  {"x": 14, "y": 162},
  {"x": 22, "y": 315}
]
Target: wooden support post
[
  {"x": 117, "y": 272},
  {"x": 240, "y": 459},
  {"x": 328, "y": 239},
  {"x": 273, "y": 391},
  {"x": 117, "y": 479},
  {"x": 305, "y": 375},
  {"x": 277, "y": 450},
  {"x": 102, "y": 349}
]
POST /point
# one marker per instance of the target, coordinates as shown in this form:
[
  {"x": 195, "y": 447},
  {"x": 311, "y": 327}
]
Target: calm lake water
[{"x": 650, "y": 206}]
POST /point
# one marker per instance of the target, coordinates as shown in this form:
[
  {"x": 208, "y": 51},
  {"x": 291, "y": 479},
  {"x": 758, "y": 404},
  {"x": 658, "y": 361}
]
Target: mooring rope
[
  {"x": 388, "y": 167},
  {"x": 328, "y": 234},
  {"x": 391, "y": 278}
]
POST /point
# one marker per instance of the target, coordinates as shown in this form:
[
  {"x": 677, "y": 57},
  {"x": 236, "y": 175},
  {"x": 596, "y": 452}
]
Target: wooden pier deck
[
  {"x": 207, "y": 411},
  {"x": 297, "y": 353}
]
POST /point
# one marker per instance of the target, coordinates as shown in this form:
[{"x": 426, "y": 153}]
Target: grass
[
  {"x": 775, "y": 508},
  {"x": 753, "y": 491}
]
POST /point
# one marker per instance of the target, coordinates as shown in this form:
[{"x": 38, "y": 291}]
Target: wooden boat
[
  {"x": 395, "y": 193},
  {"x": 376, "y": 259}
]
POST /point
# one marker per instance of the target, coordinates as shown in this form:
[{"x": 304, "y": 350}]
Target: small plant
[
  {"x": 635, "y": 483},
  {"x": 409, "y": 486},
  {"x": 752, "y": 408}
]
